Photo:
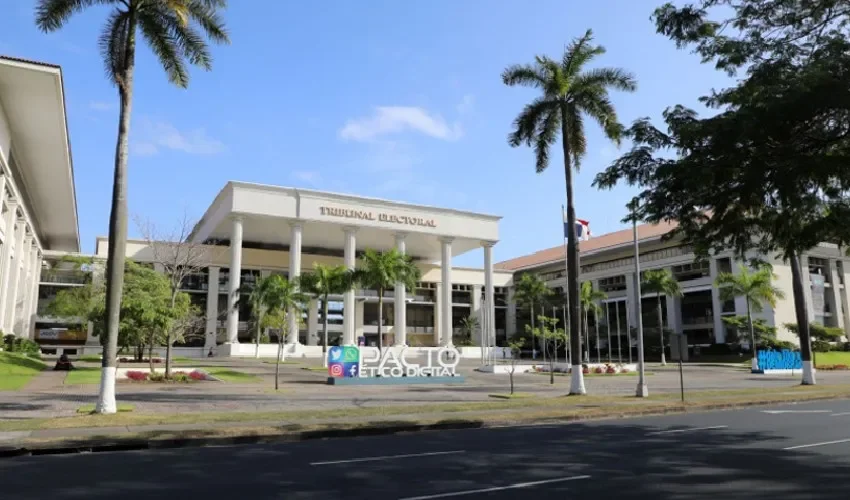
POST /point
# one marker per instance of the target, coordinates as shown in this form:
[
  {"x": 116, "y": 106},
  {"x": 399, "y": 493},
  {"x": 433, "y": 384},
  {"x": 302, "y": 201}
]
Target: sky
[{"x": 395, "y": 99}]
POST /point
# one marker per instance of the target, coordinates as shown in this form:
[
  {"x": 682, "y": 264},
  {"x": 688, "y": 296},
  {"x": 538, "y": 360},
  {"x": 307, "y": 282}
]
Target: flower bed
[
  {"x": 832, "y": 367},
  {"x": 176, "y": 377},
  {"x": 596, "y": 369}
]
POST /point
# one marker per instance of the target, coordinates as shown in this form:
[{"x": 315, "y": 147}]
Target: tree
[
  {"x": 283, "y": 298},
  {"x": 258, "y": 296},
  {"x": 179, "y": 258},
  {"x": 469, "y": 325},
  {"x": 171, "y": 29},
  {"x": 819, "y": 332},
  {"x": 551, "y": 338},
  {"x": 589, "y": 300},
  {"x": 531, "y": 291},
  {"x": 660, "y": 282},
  {"x": 515, "y": 345},
  {"x": 381, "y": 271},
  {"x": 764, "y": 333},
  {"x": 569, "y": 94},
  {"x": 756, "y": 288},
  {"x": 323, "y": 282},
  {"x": 767, "y": 172}
]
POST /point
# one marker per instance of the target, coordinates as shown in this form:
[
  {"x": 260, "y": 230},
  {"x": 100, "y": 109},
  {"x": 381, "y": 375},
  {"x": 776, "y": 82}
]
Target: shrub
[
  {"x": 599, "y": 369},
  {"x": 610, "y": 369},
  {"x": 156, "y": 377},
  {"x": 11, "y": 343},
  {"x": 196, "y": 375},
  {"x": 821, "y": 346},
  {"x": 585, "y": 370},
  {"x": 180, "y": 377},
  {"x": 137, "y": 376},
  {"x": 624, "y": 370}
]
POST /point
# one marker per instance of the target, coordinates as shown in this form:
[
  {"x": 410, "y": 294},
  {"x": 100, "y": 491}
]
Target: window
[
  {"x": 724, "y": 265},
  {"x": 817, "y": 266},
  {"x": 613, "y": 284},
  {"x": 692, "y": 271}
]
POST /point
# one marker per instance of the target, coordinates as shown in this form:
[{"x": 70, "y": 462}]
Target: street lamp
[{"x": 642, "y": 391}]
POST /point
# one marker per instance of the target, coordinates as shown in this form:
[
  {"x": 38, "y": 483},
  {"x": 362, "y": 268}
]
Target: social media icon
[
  {"x": 351, "y": 354},
  {"x": 335, "y": 354},
  {"x": 336, "y": 370}
]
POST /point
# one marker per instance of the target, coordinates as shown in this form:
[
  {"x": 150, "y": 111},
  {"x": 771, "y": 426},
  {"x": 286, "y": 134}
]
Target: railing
[{"x": 65, "y": 277}]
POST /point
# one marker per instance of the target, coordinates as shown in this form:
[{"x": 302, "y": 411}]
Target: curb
[{"x": 71, "y": 446}]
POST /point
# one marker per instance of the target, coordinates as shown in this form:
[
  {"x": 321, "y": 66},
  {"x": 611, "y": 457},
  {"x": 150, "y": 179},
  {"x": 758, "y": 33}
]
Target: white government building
[{"x": 253, "y": 230}]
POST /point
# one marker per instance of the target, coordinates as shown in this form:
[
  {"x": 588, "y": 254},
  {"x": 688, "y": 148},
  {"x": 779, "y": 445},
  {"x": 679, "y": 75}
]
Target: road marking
[
  {"x": 515, "y": 486},
  {"x": 388, "y": 457},
  {"x": 679, "y": 431},
  {"x": 840, "y": 414},
  {"x": 777, "y": 412},
  {"x": 800, "y": 446}
]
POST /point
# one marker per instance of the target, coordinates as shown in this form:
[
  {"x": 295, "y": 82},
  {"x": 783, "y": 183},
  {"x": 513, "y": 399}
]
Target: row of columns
[
  {"x": 20, "y": 268},
  {"x": 349, "y": 261}
]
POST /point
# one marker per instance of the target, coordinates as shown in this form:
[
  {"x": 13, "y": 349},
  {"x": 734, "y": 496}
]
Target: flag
[{"x": 582, "y": 228}]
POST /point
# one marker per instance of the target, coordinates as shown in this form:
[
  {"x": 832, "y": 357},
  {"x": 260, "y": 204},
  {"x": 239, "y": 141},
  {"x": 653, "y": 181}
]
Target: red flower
[
  {"x": 137, "y": 375},
  {"x": 196, "y": 375}
]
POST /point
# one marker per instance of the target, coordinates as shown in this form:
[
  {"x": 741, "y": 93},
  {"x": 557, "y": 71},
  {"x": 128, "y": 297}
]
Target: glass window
[{"x": 724, "y": 265}]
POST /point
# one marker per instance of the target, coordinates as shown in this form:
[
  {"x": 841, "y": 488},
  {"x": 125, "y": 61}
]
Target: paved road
[{"x": 788, "y": 452}]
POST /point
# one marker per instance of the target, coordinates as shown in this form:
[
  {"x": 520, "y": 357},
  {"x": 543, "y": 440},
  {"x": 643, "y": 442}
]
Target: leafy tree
[
  {"x": 764, "y": 333},
  {"x": 530, "y": 291},
  {"x": 283, "y": 297},
  {"x": 756, "y": 288},
  {"x": 171, "y": 28},
  {"x": 257, "y": 295},
  {"x": 569, "y": 93},
  {"x": 515, "y": 345},
  {"x": 818, "y": 331},
  {"x": 767, "y": 172},
  {"x": 660, "y": 282},
  {"x": 589, "y": 299},
  {"x": 323, "y": 282},
  {"x": 381, "y": 271},
  {"x": 551, "y": 338},
  {"x": 469, "y": 325}
]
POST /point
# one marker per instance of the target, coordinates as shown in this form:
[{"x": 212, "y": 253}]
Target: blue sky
[{"x": 395, "y": 99}]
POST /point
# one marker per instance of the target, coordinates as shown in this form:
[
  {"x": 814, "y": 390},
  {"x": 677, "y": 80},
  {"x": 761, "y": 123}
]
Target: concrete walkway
[{"x": 46, "y": 381}]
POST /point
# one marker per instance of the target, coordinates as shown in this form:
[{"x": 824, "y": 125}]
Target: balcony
[{"x": 65, "y": 277}]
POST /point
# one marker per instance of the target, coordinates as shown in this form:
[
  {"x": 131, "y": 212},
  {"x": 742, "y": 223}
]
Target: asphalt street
[{"x": 799, "y": 451}]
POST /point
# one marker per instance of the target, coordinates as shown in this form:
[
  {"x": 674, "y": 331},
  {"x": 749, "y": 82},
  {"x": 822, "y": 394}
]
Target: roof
[{"x": 609, "y": 240}]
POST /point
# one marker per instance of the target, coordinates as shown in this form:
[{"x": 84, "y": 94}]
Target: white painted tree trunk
[
  {"x": 809, "y": 373},
  {"x": 106, "y": 395},
  {"x": 577, "y": 381}
]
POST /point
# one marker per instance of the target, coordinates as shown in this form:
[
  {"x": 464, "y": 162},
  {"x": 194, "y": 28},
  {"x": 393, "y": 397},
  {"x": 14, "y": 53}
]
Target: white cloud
[
  {"x": 157, "y": 135},
  {"x": 101, "y": 106},
  {"x": 389, "y": 120}
]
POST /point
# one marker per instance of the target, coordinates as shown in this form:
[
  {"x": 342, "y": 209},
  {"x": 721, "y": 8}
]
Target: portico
[{"x": 301, "y": 227}]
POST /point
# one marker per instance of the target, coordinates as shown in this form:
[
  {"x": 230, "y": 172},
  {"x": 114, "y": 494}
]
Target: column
[
  {"x": 511, "y": 313},
  {"x": 294, "y": 273},
  {"x": 836, "y": 295},
  {"x": 233, "y": 284},
  {"x": 349, "y": 256},
  {"x": 631, "y": 309},
  {"x": 313, "y": 323},
  {"x": 446, "y": 313},
  {"x": 15, "y": 276},
  {"x": 400, "y": 327},
  {"x": 475, "y": 312},
  {"x": 438, "y": 313},
  {"x": 490, "y": 334},
  {"x": 31, "y": 291},
  {"x": 6, "y": 257},
  {"x": 674, "y": 307},
  {"x": 211, "y": 329},
  {"x": 716, "y": 304}
]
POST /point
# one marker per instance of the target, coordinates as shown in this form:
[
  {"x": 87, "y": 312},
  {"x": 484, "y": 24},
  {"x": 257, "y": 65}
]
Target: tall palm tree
[
  {"x": 531, "y": 291},
  {"x": 321, "y": 283},
  {"x": 171, "y": 29},
  {"x": 569, "y": 93},
  {"x": 258, "y": 295},
  {"x": 660, "y": 282},
  {"x": 381, "y": 271},
  {"x": 282, "y": 297},
  {"x": 756, "y": 288},
  {"x": 589, "y": 300}
]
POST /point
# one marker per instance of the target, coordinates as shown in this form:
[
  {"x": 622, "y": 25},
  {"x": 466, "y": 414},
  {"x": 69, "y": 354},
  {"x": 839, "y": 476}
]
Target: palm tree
[
  {"x": 321, "y": 283},
  {"x": 660, "y": 282},
  {"x": 380, "y": 271},
  {"x": 568, "y": 95},
  {"x": 530, "y": 291},
  {"x": 469, "y": 325},
  {"x": 282, "y": 297},
  {"x": 258, "y": 295},
  {"x": 171, "y": 29},
  {"x": 589, "y": 299},
  {"x": 756, "y": 288}
]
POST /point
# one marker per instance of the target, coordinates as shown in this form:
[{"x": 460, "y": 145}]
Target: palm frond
[
  {"x": 50, "y": 15},
  {"x": 578, "y": 53},
  {"x": 576, "y": 137},
  {"x": 154, "y": 26},
  {"x": 529, "y": 121},
  {"x": 524, "y": 74},
  {"x": 205, "y": 13},
  {"x": 607, "y": 78},
  {"x": 113, "y": 44},
  {"x": 599, "y": 107},
  {"x": 547, "y": 134},
  {"x": 192, "y": 45}
]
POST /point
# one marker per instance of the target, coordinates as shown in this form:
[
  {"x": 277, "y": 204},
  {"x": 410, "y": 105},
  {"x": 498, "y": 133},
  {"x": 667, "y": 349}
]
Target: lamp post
[{"x": 642, "y": 390}]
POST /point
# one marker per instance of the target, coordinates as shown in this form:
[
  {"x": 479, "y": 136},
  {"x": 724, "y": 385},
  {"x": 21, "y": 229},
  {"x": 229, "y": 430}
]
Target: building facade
[
  {"x": 607, "y": 261},
  {"x": 39, "y": 211}
]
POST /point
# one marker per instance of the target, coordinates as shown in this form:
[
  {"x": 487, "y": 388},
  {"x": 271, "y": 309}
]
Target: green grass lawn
[
  {"x": 17, "y": 370},
  {"x": 832, "y": 358},
  {"x": 227, "y": 375},
  {"x": 90, "y": 358},
  {"x": 83, "y": 376}
]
